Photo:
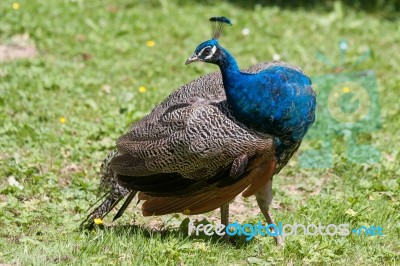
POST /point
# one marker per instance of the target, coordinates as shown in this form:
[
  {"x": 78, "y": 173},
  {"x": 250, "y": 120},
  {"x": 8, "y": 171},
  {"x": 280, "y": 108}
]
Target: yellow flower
[
  {"x": 98, "y": 221},
  {"x": 142, "y": 89},
  {"x": 346, "y": 89},
  {"x": 62, "y": 120},
  {"x": 186, "y": 212},
  {"x": 150, "y": 43},
  {"x": 16, "y": 6}
]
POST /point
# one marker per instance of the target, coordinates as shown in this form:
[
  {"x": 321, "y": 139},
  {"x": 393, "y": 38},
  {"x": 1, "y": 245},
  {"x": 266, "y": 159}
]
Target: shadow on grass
[
  {"x": 176, "y": 233},
  {"x": 389, "y": 8},
  {"x": 369, "y": 6}
]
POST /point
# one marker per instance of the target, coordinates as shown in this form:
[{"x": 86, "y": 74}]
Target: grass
[{"x": 62, "y": 110}]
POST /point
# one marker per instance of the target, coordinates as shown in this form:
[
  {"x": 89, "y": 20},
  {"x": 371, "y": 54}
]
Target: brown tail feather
[
  {"x": 259, "y": 177},
  {"x": 209, "y": 200},
  {"x": 143, "y": 196},
  {"x": 196, "y": 204}
]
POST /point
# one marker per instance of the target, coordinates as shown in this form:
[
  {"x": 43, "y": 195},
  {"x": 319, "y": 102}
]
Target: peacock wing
[{"x": 190, "y": 143}]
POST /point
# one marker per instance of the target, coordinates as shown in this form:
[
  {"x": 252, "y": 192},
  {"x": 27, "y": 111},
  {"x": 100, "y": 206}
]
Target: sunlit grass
[{"x": 102, "y": 66}]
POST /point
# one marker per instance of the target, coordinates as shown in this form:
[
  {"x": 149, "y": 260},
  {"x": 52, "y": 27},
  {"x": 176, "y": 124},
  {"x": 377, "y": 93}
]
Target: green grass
[{"x": 88, "y": 47}]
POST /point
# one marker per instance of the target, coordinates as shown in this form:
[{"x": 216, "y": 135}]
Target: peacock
[{"x": 224, "y": 133}]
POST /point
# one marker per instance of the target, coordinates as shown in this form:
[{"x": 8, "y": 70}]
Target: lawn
[{"x": 91, "y": 68}]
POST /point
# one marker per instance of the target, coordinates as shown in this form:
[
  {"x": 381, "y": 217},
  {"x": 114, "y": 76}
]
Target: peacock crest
[{"x": 217, "y": 26}]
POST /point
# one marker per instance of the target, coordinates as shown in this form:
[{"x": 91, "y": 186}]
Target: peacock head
[{"x": 210, "y": 51}]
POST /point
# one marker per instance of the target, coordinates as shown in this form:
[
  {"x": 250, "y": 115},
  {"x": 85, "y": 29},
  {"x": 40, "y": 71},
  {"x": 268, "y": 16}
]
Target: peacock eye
[{"x": 206, "y": 51}]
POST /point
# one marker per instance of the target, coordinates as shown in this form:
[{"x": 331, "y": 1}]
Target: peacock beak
[{"x": 191, "y": 59}]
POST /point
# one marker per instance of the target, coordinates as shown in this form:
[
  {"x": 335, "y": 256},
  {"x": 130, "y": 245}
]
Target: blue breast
[{"x": 278, "y": 101}]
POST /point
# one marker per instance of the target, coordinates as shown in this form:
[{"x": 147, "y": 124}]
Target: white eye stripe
[{"x": 213, "y": 49}]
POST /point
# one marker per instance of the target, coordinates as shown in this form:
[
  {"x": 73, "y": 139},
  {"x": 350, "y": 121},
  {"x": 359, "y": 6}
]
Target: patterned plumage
[{"x": 217, "y": 136}]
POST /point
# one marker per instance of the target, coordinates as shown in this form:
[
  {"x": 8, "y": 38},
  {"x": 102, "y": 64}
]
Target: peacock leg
[
  {"x": 225, "y": 219},
  {"x": 264, "y": 199}
]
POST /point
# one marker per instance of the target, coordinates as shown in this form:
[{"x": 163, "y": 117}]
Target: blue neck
[
  {"x": 243, "y": 100},
  {"x": 227, "y": 62}
]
